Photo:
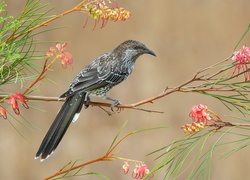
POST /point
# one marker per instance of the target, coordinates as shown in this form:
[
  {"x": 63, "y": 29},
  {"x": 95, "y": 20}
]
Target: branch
[
  {"x": 198, "y": 77},
  {"x": 45, "y": 23},
  {"x": 107, "y": 156}
]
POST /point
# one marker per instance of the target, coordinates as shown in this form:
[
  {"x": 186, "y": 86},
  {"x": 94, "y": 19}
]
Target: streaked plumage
[{"x": 97, "y": 79}]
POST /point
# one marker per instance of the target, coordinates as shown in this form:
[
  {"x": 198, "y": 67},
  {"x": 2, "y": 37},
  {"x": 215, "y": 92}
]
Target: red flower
[
  {"x": 241, "y": 60},
  {"x": 3, "y": 112},
  {"x": 13, "y": 102},
  {"x": 23, "y": 100},
  {"x": 200, "y": 112}
]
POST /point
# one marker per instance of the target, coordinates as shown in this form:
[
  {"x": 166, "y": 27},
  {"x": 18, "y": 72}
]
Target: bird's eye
[{"x": 136, "y": 47}]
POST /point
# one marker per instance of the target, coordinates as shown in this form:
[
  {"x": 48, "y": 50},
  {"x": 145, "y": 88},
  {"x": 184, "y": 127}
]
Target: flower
[
  {"x": 99, "y": 10},
  {"x": 200, "y": 113},
  {"x": 13, "y": 102},
  {"x": 59, "y": 51},
  {"x": 241, "y": 60},
  {"x": 192, "y": 128},
  {"x": 140, "y": 171},
  {"x": 3, "y": 112},
  {"x": 125, "y": 167},
  {"x": 23, "y": 100},
  {"x": 66, "y": 57}
]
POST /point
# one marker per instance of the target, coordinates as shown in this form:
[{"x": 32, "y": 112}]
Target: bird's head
[{"x": 133, "y": 49}]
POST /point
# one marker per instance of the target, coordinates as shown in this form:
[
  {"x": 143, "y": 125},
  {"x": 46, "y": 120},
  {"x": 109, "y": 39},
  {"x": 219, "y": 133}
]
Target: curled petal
[
  {"x": 52, "y": 49},
  {"x": 58, "y": 46},
  {"x": 3, "y": 112},
  {"x": 125, "y": 167},
  {"x": 22, "y": 99},
  {"x": 66, "y": 59},
  {"x": 14, "y": 104},
  {"x": 49, "y": 54}
]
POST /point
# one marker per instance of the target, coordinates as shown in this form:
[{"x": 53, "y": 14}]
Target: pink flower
[
  {"x": 3, "y": 112},
  {"x": 66, "y": 59},
  {"x": 13, "y": 102},
  {"x": 241, "y": 60},
  {"x": 60, "y": 51},
  {"x": 200, "y": 113},
  {"x": 125, "y": 167},
  {"x": 140, "y": 171}
]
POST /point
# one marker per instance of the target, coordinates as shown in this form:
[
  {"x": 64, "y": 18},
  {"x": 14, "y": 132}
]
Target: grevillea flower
[
  {"x": 140, "y": 171},
  {"x": 98, "y": 10},
  {"x": 241, "y": 60},
  {"x": 125, "y": 167},
  {"x": 66, "y": 57},
  {"x": 200, "y": 113},
  {"x": 3, "y": 112},
  {"x": 13, "y": 102},
  {"x": 192, "y": 128},
  {"x": 60, "y": 51}
]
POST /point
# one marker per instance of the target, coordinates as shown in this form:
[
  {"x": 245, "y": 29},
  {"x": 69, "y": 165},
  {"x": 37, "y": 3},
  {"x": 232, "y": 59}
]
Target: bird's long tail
[{"x": 68, "y": 113}]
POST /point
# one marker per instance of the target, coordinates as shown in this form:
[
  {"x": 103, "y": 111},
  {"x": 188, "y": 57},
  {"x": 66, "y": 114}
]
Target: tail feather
[{"x": 69, "y": 111}]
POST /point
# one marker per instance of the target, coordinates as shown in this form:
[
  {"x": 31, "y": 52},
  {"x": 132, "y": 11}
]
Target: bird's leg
[
  {"x": 116, "y": 102},
  {"x": 86, "y": 102}
]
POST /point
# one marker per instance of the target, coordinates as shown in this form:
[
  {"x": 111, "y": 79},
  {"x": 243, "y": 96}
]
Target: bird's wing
[
  {"x": 96, "y": 75},
  {"x": 97, "y": 80}
]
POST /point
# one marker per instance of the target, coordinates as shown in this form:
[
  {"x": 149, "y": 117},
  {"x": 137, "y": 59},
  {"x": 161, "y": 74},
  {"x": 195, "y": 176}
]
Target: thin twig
[
  {"x": 107, "y": 156},
  {"x": 78, "y": 7}
]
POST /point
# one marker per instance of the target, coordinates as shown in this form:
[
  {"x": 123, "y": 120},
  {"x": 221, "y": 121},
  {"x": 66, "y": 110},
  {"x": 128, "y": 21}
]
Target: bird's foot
[
  {"x": 86, "y": 102},
  {"x": 116, "y": 102}
]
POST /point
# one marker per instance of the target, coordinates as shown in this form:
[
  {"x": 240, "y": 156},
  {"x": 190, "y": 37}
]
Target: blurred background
[{"x": 186, "y": 35}]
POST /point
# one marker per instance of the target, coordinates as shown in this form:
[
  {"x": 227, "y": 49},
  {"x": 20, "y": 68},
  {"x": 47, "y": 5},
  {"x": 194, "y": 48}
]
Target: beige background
[{"x": 186, "y": 35}]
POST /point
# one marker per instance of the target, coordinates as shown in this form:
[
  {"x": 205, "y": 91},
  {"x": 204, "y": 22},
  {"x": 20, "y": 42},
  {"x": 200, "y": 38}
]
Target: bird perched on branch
[{"x": 97, "y": 78}]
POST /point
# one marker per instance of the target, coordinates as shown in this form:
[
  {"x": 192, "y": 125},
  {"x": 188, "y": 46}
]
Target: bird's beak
[{"x": 148, "y": 51}]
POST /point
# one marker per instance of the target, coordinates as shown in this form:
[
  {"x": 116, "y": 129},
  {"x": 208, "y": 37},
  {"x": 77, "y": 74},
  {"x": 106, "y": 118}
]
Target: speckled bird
[{"x": 97, "y": 78}]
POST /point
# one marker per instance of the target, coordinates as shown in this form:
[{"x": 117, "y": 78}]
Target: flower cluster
[
  {"x": 192, "y": 128},
  {"x": 13, "y": 101},
  {"x": 241, "y": 60},
  {"x": 200, "y": 113},
  {"x": 139, "y": 172},
  {"x": 60, "y": 52},
  {"x": 109, "y": 14},
  {"x": 99, "y": 10}
]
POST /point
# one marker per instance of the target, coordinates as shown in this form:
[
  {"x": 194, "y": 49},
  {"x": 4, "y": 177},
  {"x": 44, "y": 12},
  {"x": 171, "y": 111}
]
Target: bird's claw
[
  {"x": 86, "y": 103},
  {"x": 116, "y": 102}
]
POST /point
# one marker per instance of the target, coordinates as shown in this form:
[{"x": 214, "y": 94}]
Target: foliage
[{"x": 188, "y": 157}]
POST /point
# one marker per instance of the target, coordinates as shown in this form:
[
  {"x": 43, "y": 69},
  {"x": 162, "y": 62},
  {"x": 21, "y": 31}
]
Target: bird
[{"x": 96, "y": 79}]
